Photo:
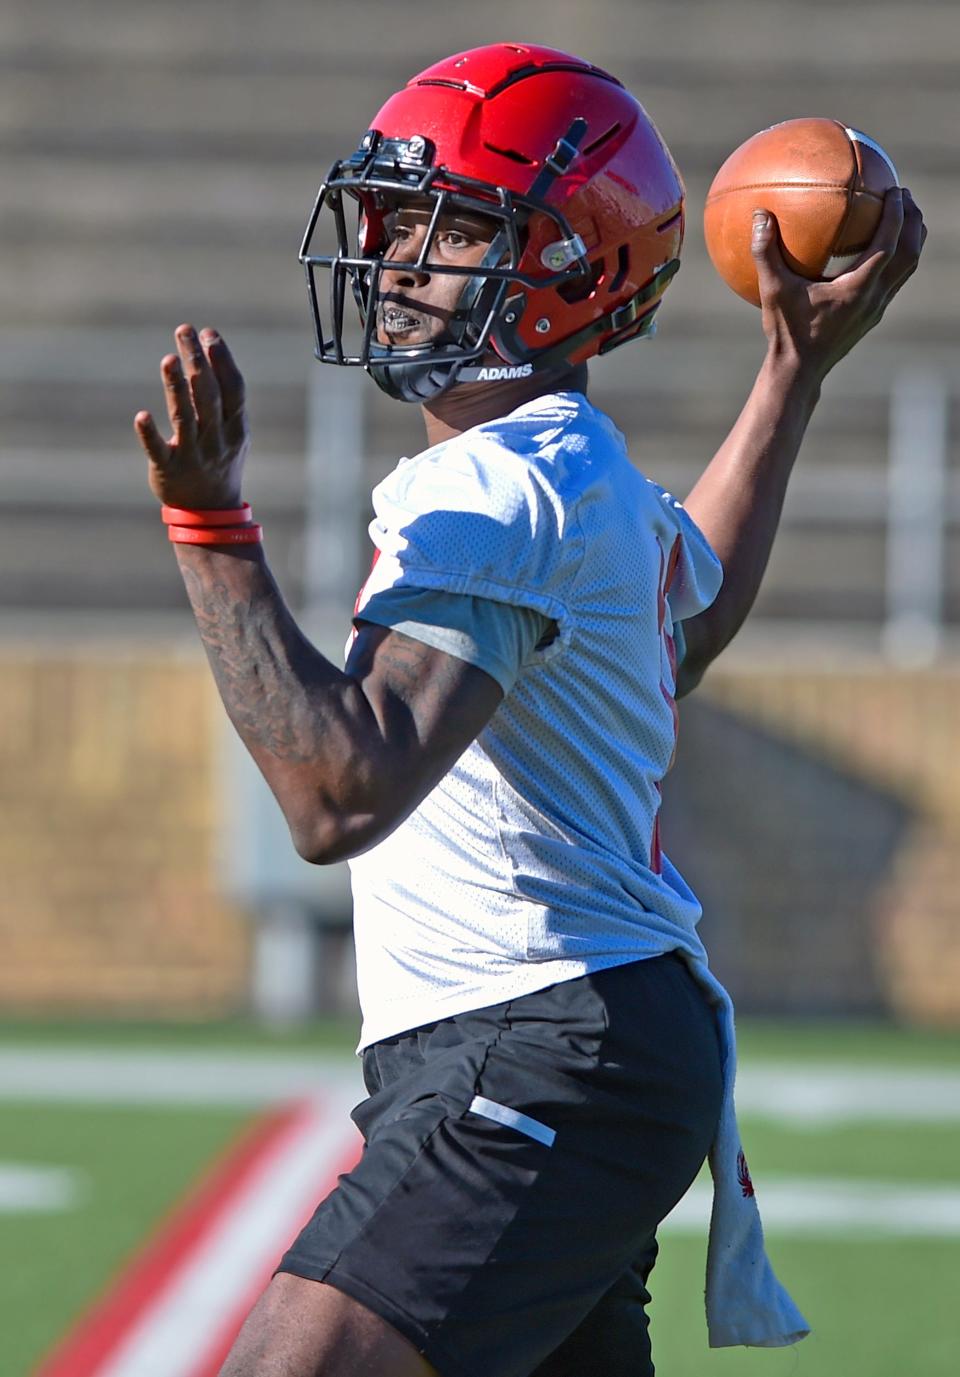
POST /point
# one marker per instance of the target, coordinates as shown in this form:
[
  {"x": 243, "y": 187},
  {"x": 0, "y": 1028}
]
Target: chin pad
[{"x": 410, "y": 380}]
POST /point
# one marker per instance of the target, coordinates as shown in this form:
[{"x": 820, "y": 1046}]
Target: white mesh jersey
[{"x": 537, "y": 857}]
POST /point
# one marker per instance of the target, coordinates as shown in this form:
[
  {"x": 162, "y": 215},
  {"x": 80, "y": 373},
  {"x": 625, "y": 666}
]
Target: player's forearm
[
  {"x": 306, "y": 723},
  {"x": 739, "y": 497}
]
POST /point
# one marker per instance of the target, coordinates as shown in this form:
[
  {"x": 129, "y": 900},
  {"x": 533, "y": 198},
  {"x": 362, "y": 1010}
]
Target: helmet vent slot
[
  {"x": 581, "y": 287},
  {"x": 510, "y": 153},
  {"x": 600, "y": 140},
  {"x": 535, "y": 69},
  {"x": 623, "y": 267},
  {"x": 444, "y": 81}
]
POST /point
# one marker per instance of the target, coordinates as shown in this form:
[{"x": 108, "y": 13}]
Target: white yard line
[
  {"x": 817, "y": 1094},
  {"x": 831, "y": 1093},
  {"x": 825, "y": 1206},
  {"x": 40, "y": 1190},
  {"x": 790, "y": 1205},
  {"x": 228, "y": 1078}
]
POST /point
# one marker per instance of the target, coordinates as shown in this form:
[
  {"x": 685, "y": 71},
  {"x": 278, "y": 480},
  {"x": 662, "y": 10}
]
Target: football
[{"x": 825, "y": 183}]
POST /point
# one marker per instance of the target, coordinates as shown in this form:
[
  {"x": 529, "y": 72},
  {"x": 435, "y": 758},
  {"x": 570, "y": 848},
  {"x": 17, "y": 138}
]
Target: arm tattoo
[
  {"x": 267, "y": 673},
  {"x": 363, "y": 746}
]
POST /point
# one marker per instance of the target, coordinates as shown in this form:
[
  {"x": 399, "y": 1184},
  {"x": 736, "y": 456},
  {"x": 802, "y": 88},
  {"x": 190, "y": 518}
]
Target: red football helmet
[{"x": 586, "y": 197}]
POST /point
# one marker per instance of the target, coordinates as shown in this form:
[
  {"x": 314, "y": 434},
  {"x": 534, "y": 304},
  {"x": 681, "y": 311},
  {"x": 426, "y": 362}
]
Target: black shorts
[{"x": 518, "y": 1160}]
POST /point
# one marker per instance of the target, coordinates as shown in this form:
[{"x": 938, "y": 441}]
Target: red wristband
[
  {"x": 213, "y": 535},
  {"x": 181, "y": 516}
]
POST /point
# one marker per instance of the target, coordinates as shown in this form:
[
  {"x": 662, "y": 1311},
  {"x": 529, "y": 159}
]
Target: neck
[{"x": 471, "y": 404}]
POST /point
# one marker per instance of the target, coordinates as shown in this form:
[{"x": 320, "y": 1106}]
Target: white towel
[{"x": 746, "y": 1304}]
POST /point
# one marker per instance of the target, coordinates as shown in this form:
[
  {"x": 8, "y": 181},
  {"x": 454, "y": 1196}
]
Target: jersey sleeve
[
  {"x": 497, "y": 637},
  {"x": 696, "y": 579},
  {"x": 475, "y": 520}
]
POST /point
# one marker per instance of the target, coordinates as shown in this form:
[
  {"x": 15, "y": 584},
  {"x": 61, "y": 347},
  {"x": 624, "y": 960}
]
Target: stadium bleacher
[{"x": 159, "y": 164}]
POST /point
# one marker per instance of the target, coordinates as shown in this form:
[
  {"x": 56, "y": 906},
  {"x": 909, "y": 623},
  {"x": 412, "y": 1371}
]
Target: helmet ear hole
[{"x": 582, "y": 287}]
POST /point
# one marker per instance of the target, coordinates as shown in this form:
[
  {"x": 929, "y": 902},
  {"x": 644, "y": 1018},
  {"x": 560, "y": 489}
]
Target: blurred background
[{"x": 158, "y": 164}]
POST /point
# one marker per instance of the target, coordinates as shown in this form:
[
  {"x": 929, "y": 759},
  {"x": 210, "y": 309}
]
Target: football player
[{"x": 547, "y": 1055}]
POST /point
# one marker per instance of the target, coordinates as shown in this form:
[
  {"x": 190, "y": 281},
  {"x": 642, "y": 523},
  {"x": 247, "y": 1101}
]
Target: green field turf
[
  {"x": 135, "y": 1163},
  {"x": 880, "y": 1307},
  {"x": 877, "y": 1310}
]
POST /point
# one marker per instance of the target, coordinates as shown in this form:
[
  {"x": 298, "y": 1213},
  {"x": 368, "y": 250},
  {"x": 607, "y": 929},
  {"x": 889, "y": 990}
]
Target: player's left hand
[
  {"x": 201, "y": 465},
  {"x": 818, "y": 322}
]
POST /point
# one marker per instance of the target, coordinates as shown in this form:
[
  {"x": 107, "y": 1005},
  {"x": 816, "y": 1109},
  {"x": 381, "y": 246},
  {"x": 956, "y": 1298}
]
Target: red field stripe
[
  {"x": 213, "y": 1359},
  {"x": 102, "y": 1328}
]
